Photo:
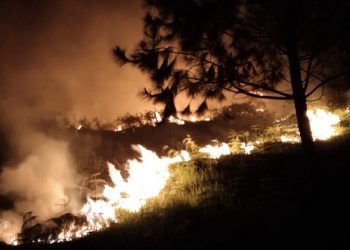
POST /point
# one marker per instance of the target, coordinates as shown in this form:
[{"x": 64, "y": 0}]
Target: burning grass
[
  {"x": 248, "y": 201},
  {"x": 200, "y": 192},
  {"x": 241, "y": 201}
]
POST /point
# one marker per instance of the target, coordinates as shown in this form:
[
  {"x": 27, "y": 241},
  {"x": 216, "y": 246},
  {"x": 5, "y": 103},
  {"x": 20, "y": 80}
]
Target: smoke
[
  {"x": 56, "y": 60},
  {"x": 45, "y": 177},
  {"x": 56, "y": 57},
  {"x": 10, "y": 226},
  {"x": 45, "y": 183}
]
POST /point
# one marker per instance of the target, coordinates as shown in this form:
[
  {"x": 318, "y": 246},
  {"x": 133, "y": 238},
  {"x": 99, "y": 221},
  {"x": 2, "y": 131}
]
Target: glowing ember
[
  {"x": 216, "y": 151},
  {"x": 322, "y": 123}
]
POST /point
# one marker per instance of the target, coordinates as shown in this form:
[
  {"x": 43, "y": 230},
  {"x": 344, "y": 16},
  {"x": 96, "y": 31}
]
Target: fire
[
  {"x": 158, "y": 117},
  {"x": 119, "y": 128},
  {"x": 146, "y": 178},
  {"x": 193, "y": 118},
  {"x": 178, "y": 121},
  {"x": 322, "y": 124},
  {"x": 216, "y": 151},
  {"x": 291, "y": 139},
  {"x": 247, "y": 147}
]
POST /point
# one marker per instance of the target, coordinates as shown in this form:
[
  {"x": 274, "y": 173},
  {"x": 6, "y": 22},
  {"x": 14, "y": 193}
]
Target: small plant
[
  {"x": 236, "y": 139},
  {"x": 95, "y": 185},
  {"x": 190, "y": 146}
]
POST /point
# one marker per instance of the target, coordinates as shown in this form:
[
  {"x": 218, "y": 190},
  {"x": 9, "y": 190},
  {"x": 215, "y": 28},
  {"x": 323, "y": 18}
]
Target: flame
[
  {"x": 178, "y": 121},
  {"x": 72, "y": 232},
  {"x": 322, "y": 123},
  {"x": 247, "y": 147},
  {"x": 119, "y": 128},
  {"x": 322, "y": 126},
  {"x": 193, "y": 118},
  {"x": 158, "y": 117},
  {"x": 207, "y": 119},
  {"x": 147, "y": 177},
  {"x": 289, "y": 139},
  {"x": 216, "y": 151},
  {"x": 185, "y": 155}
]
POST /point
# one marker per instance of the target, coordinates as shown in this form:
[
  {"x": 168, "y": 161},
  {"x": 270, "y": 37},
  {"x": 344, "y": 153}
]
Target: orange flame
[{"x": 216, "y": 151}]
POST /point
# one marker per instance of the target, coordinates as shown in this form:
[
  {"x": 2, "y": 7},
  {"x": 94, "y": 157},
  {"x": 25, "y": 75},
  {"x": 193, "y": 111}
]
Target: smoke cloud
[
  {"x": 56, "y": 57},
  {"x": 43, "y": 179},
  {"x": 56, "y": 60},
  {"x": 45, "y": 183}
]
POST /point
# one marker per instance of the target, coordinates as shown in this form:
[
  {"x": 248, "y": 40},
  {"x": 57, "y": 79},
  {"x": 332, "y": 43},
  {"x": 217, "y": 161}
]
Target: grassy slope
[{"x": 241, "y": 202}]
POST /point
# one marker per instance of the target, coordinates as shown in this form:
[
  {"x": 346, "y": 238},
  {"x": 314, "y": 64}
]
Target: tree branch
[
  {"x": 324, "y": 82},
  {"x": 318, "y": 98},
  {"x": 308, "y": 72},
  {"x": 273, "y": 90},
  {"x": 243, "y": 91}
]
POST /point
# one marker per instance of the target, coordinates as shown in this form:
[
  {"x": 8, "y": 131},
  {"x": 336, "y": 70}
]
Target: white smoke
[
  {"x": 44, "y": 183},
  {"x": 10, "y": 226}
]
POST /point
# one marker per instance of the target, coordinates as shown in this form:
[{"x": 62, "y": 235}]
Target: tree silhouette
[{"x": 279, "y": 50}]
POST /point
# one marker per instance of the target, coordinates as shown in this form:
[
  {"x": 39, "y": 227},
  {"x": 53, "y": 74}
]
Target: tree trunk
[{"x": 300, "y": 100}]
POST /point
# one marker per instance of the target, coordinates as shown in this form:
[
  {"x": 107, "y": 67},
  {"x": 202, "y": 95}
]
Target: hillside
[{"x": 263, "y": 200}]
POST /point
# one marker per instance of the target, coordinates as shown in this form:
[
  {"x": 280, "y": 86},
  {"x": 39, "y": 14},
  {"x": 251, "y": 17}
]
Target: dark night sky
[{"x": 56, "y": 57}]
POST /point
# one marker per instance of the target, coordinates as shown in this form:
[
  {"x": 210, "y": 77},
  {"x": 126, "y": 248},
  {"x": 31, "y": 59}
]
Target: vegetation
[
  {"x": 272, "y": 49},
  {"x": 241, "y": 201}
]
